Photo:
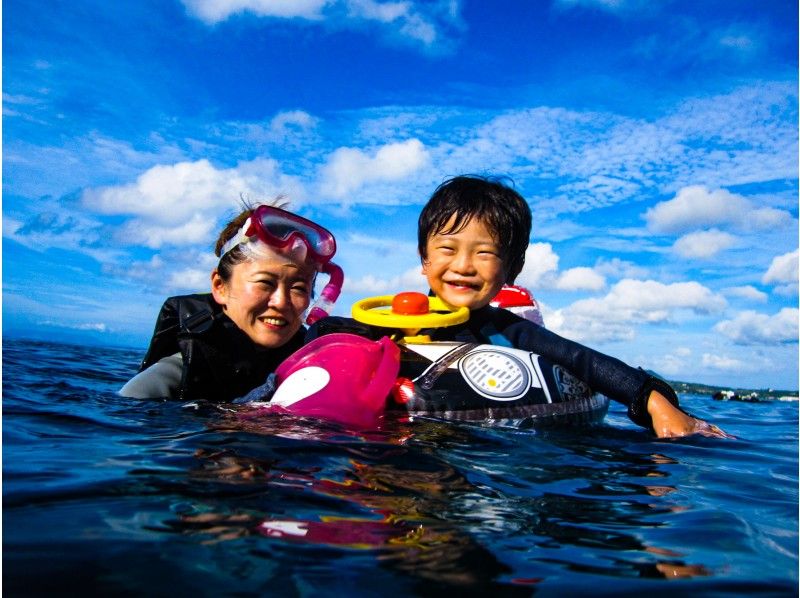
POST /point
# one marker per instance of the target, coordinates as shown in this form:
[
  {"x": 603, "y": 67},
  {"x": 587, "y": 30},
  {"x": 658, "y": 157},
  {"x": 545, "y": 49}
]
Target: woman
[{"x": 219, "y": 346}]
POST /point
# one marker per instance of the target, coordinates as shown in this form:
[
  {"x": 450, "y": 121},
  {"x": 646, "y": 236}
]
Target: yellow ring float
[{"x": 437, "y": 314}]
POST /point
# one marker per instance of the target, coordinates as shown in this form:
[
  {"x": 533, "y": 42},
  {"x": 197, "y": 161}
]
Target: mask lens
[{"x": 280, "y": 226}]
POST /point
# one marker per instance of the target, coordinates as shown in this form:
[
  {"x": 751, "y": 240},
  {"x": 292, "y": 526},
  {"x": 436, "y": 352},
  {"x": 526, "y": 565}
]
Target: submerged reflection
[
  {"x": 382, "y": 497},
  {"x": 396, "y": 495}
]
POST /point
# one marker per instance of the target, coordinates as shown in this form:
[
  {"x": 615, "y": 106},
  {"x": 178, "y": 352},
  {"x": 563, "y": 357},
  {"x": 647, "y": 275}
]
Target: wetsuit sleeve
[
  {"x": 603, "y": 373},
  {"x": 160, "y": 380}
]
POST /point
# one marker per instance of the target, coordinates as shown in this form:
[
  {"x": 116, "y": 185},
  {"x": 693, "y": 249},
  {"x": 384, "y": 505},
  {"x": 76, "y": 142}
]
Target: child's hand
[{"x": 671, "y": 422}]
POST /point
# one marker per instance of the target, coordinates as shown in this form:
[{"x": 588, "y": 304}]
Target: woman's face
[{"x": 266, "y": 298}]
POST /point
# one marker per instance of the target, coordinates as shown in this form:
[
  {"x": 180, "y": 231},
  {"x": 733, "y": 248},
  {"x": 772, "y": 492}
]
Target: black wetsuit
[
  {"x": 219, "y": 361},
  {"x": 493, "y": 325}
]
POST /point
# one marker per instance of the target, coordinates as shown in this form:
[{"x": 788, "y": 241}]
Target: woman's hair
[
  {"x": 236, "y": 255},
  {"x": 502, "y": 210}
]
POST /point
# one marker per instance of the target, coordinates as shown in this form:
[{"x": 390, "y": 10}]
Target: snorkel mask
[{"x": 298, "y": 237}]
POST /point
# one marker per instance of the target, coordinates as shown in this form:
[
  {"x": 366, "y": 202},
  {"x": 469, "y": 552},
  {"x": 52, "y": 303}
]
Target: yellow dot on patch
[{"x": 491, "y": 382}]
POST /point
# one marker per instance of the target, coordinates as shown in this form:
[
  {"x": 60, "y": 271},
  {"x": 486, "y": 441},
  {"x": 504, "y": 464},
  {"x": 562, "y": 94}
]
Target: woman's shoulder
[{"x": 160, "y": 380}]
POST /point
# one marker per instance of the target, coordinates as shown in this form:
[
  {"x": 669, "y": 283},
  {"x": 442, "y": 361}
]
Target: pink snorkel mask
[{"x": 293, "y": 234}]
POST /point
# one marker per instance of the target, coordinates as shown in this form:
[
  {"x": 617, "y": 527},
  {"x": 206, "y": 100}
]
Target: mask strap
[{"x": 239, "y": 237}]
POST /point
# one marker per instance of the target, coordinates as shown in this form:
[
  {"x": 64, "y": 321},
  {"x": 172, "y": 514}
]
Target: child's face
[{"x": 464, "y": 269}]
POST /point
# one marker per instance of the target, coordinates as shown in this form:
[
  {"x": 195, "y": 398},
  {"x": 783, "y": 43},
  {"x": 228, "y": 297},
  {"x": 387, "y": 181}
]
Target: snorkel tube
[{"x": 322, "y": 307}]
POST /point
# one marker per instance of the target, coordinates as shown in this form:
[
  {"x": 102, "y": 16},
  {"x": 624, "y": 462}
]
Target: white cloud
[
  {"x": 402, "y": 14},
  {"x": 675, "y": 362},
  {"x": 753, "y": 328},
  {"x": 747, "y": 292},
  {"x": 172, "y": 194},
  {"x": 540, "y": 261},
  {"x": 738, "y": 42},
  {"x": 196, "y": 230},
  {"x": 59, "y": 226},
  {"x": 383, "y": 247},
  {"x": 577, "y": 161},
  {"x": 703, "y": 244},
  {"x": 369, "y": 285},
  {"x": 179, "y": 204},
  {"x": 195, "y": 280},
  {"x": 11, "y": 226},
  {"x": 580, "y": 279},
  {"x": 214, "y": 11},
  {"x": 647, "y": 300},
  {"x": 169, "y": 272},
  {"x": 290, "y": 120},
  {"x": 288, "y": 131},
  {"x": 783, "y": 269},
  {"x": 617, "y": 268},
  {"x": 723, "y": 362},
  {"x": 348, "y": 169},
  {"x": 421, "y": 22},
  {"x": 631, "y": 302},
  {"x": 87, "y": 326},
  {"x": 696, "y": 207},
  {"x": 81, "y": 161}
]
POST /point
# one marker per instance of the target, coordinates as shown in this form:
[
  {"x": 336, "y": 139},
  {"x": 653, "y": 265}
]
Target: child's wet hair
[{"x": 504, "y": 212}]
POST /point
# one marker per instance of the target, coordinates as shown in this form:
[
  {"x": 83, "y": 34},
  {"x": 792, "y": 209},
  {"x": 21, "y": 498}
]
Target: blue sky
[{"x": 656, "y": 142}]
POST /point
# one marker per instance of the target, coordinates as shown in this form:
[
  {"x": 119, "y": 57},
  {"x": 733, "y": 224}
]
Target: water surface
[{"x": 118, "y": 496}]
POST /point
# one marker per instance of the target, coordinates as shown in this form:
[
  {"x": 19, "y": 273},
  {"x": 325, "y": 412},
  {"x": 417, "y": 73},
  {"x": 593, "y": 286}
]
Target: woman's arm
[{"x": 161, "y": 380}]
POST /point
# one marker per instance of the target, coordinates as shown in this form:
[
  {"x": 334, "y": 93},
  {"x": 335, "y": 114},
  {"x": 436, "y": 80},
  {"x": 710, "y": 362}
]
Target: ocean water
[{"x": 110, "y": 496}]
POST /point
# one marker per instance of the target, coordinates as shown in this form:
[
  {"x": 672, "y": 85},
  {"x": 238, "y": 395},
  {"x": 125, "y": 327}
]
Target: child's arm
[
  {"x": 652, "y": 403},
  {"x": 669, "y": 421}
]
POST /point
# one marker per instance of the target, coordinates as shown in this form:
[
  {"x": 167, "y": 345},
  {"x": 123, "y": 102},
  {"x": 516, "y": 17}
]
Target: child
[{"x": 472, "y": 237}]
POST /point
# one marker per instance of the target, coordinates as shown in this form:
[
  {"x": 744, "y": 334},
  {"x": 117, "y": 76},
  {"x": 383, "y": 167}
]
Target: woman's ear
[{"x": 219, "y": 289}]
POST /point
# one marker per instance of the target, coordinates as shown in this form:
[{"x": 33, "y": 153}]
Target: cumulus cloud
[
  {"x": 171, "y": 194},
  {"x": 195, "y": 280},
  {"x": 783, "y": 269},
  {"x": 631, "y": 302},
  {"x": 540, "y": 261},
  {"x": 723, "y": 362},
  {"x": 580, "y": 279},
  {"x": 420, "y": 22},
  {"x": 171, "y": 271},
  {"x": 703, "y": 244},
  {"x": 747, "y": 292},
  {"x": 697, "y": 207},
  {"x": 197, "y": 229},
  {"x": 214, "y": 11},
  {"x": 754, "y": 328},
  {"x": 675, "y": 362},
  {"x": 348, "y": 169},
  {"x": 410, "y": 280},
  {"x": 178, "y": 204},
  {"x": 617, "y": 268}
]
